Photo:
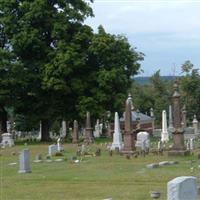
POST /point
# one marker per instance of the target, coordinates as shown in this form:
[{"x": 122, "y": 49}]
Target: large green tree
[
  {"x": 37, "y": 31},
  {"x": 99, "y": 74}
]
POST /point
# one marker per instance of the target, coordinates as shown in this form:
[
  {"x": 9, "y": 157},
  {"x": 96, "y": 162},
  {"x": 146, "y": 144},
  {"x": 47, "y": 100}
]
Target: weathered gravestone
[
  {"x": 38, "y": 158},
  {"x": 53, "y": 149},
  {"x": 24, "y": 165},
  {"x": 7, "y": 140},
  {"x": 143, "y": 140},
  {"x": 182, "y": 188},
  {"x": 178, "y": 147},
  {"x": 88, "y": 130},
  {"x": 75, "y": 135}
]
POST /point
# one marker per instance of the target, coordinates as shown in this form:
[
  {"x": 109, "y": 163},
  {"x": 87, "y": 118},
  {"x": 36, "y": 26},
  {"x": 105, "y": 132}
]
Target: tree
[
  {"x": 116, "y": 62},
  {"x": 37, "y": 32},
  {"x": 190, "y": 87}
]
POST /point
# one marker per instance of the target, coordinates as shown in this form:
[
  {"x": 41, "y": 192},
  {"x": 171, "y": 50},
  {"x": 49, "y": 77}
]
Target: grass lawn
[{"x": 94, "y": 178}]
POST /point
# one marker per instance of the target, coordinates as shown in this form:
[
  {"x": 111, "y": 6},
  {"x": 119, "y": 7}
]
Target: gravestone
[
  {"x": 58, "y": 145},
  {"x": 75, "y": 132},
  {"x": 64, "y": 128},
  {"x": 88, "y": 130},
  {"x": 52, "y": 149},
  {"x": 182, "y": 188},
  {"x": 129, "y": 143},
  {"x": 7, "y": 140},
  {"x": 178, "y": 147},
  {"x": 183, "y": 122},
  {"x": 117, "y": 136},
  {"x": 195, "y": 124},
  {"x": 164, "y": 132},
  {"x": 143, "y": 140},
  {"x": 38, "y": 158},
  {"x": 97, "y": 130},
  {"x": 24, "y": 165}
]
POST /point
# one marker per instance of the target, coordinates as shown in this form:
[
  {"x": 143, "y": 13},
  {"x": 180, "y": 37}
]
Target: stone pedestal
[{"x": 129, "y": 144}]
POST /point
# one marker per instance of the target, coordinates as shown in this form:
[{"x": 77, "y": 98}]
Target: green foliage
[
  {"x": 156, "y": 95},
  {"x": 190, "y": 86}
]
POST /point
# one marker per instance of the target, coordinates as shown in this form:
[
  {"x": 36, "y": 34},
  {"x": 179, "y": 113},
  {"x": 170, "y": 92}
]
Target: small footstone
[
  {"x": 152, "y": 165},
  {"x": 164, "y": 163},
  {"x": 59, "y": 160},
  {"x": 173, "y": 162},
  {"x": 11, "y": 164},
  {"x": 49, "y": 161}
]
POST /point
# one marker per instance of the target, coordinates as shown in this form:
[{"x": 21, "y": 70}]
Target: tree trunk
[
  {"x": 45, "y": 131},
  {"x": 3, "y": 120}
]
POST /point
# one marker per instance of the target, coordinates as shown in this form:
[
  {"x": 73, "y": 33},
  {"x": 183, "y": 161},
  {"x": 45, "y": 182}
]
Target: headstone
[
  {"x": 59, "y": 148},
  {"x": 191, "y": 144},
  {"x": 53, "y": 149},
  {"x": 182, "y": 188},
  {"x": 64, "y": 128},
  {"x": 97, "y": 129},
  {"x": 117, "y": 136},
  {"x": 143, "y": 140},
  {"x": 178, "y": 147},
  {"x": 164, "y": 132},
  {"x": 129, "y": 143},
  {"x": 24, "y": 165},
  {"x": 7, "y": 140},
  {"x": 183, "y": 122},
  {"x": 164, "y": 163},
  {"x": 40, "y": 132},
  {"x": 88, "y": 130},
  {"x": 195, "y": 124},
  {"x": 152, "y": 165},
  {"x": 75, "y": 133},
  {"x": 38, "y": 158}
]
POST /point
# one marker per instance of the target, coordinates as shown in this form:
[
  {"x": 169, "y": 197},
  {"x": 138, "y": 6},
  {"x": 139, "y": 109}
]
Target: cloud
[{"x": 166, "y": 31}]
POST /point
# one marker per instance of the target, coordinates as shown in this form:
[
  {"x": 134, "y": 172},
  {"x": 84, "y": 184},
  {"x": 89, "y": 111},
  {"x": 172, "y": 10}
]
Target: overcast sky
[{"x": 166, "y": 31}]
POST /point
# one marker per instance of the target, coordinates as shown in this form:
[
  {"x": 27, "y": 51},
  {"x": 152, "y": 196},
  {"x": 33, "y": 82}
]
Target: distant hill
[{"x": 145, "y": 80}]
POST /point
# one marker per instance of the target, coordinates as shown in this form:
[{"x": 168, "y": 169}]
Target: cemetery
[
  {"x": 121, "y": 167},
  {"x": 77, "y": 121}
]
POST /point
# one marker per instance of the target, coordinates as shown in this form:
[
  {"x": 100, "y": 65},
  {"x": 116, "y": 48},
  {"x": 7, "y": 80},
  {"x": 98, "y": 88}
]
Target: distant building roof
[{"x": 137, "y": 115}]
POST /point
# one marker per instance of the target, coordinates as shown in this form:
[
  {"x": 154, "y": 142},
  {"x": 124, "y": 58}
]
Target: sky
[{"x": 166, "y": 31}]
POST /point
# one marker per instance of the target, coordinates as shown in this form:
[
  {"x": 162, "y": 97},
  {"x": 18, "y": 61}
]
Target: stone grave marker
[
  {"x": 143, "y": 140},
  {"x": 7, "y": 140},
  {"x": 182, "y": 188},
  {"x": 52, "y": 149},
  {"x": 24, "y": 165}
]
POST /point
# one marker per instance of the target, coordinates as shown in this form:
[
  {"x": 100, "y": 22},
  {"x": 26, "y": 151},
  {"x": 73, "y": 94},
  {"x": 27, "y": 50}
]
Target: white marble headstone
[
  {"x": 182, "y": 188},
  {"x": 7, "y": 140},
  {"x": 53, "y": 149},
  {"x": 143, "y": 140},
  {"x": 24, "y": 165}
]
